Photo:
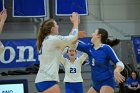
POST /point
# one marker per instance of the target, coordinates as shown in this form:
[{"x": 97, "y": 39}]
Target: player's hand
[
  {"x": 74, "y": 42},
  {"x": 133, "y": 88},
  {"x": 3, "y": 15},
  {"x": 118, "y": 77},
  {"x": 75, "y": 18}
]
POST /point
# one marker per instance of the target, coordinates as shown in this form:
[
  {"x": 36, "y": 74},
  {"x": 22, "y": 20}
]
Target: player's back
[{"x": 48, "y": 57}]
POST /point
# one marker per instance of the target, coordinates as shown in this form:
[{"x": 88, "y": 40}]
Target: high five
[{"x": 49, "y": 45}]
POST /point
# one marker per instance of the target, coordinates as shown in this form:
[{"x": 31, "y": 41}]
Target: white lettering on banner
[
  {"x": 21, "y": 53},
  {"x": 12, "y": 55}
]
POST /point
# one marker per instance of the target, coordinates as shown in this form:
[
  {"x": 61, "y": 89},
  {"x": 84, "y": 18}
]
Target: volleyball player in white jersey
[
  {"x": 3, "y": 16},
  {"x": 73, "y": 79},
  {"x": 49, "y": 45}
]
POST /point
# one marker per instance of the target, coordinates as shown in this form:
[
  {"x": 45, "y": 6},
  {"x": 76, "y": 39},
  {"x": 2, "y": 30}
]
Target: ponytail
[
  {"x": 112, "y": 42},
  {"x": 40, "y": 39},
  {"x": 44, "y": 31},
  {"x": 104, "y": 38}
]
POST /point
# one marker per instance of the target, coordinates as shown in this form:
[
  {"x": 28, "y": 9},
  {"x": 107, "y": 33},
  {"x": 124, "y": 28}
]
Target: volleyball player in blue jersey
[
  {"x": 3, "y": 16},
  {"x": 100, "y": 53},
  {"x": 49, "y": 45}
]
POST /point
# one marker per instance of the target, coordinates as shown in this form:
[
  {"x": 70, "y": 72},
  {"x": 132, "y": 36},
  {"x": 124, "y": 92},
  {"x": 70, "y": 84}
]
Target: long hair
[
  {"x": 104, "y": 38},
  {"x": 137, "y": 76},
  {"x": 44, "y": 31}
]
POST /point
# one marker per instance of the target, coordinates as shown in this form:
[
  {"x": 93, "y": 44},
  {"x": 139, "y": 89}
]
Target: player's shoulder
[
  {"x": 90, "y": 45},
  {"x": 106, "y": 46},
  {"x": 77, "y": 59},
  {"x": 52, "y": 37}
]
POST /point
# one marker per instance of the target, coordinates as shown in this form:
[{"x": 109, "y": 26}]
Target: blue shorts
[
  {"x": 76, "y": 87},
  {"x": 42, "y": 86},
  {"x": 107, "y": 82}
]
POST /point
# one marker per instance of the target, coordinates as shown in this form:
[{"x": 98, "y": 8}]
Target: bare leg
[
  {"x": 106, "y": 89},
  {"x": 53, "y": 89},
  {"x": 91, "y": 90}
]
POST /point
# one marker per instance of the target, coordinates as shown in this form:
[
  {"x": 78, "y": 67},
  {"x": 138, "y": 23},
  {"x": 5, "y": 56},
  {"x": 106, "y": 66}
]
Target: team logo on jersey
[{"x": 74, "y": 32}]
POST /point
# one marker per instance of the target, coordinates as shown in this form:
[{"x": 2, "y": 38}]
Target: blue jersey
[
  {"x": 132, "y": 82},
  {"x": 101, "y": 68}
]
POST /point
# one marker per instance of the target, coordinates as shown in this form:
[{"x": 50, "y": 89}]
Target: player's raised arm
[{"x": 3, "y": 16}]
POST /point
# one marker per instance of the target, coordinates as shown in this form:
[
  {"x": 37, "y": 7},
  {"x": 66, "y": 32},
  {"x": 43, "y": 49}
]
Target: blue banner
[
  {"x": 23, "y": 53},
  {"x": 66, "y": 7},
  {"x": 1, "y": 5},
  {"x": 18, "y": 53},
  {"x": 29, "y": 8},
  {"x": 136, "y": 44}
]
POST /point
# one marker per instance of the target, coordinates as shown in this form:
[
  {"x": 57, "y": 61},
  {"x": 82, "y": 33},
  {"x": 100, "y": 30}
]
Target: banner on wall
[
  {"x": 29, "y": 8},
  {"x": 1, "y": 5},
  {"x": 22, "y": 53},
  {"x": 136, "y": 44},
  {"x": 18, "y": 53},
  {"x": 66, "y": 7}
]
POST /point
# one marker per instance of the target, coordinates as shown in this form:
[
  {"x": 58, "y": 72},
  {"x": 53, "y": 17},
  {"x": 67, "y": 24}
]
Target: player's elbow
[{"x": 120, "y": 64}]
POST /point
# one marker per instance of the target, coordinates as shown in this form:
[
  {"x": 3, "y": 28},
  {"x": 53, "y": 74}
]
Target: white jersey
[
  {"x": 73, "y": 70},
  {"x": 1, "y": 48},
  {"x": 49, "y": 52}
]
